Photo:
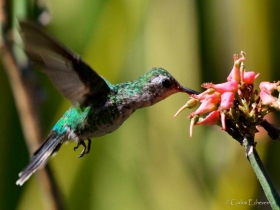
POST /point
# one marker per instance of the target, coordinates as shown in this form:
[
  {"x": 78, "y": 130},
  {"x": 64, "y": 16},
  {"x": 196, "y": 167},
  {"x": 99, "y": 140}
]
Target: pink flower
[
  {"x": 243, "y": 111},
  {"x": 230, "y": 86},
  {"x": 227, "y": 100},
  {"x": 204, "y": 94},
  {"x": 267, "y": 98},
  {"x": 211, "y": 119},
  {"x": 269, "y": 86},
  {"x": 209, "y": 104}
]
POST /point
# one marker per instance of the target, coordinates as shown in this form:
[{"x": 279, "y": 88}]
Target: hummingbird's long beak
[{"x": 189, "y": 91}]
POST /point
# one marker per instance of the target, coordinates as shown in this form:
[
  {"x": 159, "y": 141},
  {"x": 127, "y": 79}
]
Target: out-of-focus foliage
[{"x": 150, "y": 162}]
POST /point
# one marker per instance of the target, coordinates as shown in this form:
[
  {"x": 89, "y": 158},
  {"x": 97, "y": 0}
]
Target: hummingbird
[{"x": 98, "y": 107}]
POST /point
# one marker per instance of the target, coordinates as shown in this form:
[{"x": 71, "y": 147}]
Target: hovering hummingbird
[{"x": 98, "y": 107}]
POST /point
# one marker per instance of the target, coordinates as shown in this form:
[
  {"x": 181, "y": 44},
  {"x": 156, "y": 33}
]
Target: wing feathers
[{"x": 68, "y": 72}]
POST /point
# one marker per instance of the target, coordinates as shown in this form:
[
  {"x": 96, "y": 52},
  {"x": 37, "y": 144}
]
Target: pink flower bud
[
  {"x": 235, "y": 72},
  {"x": 249, "y": 77},
  {"x": 227, "y": 100}
]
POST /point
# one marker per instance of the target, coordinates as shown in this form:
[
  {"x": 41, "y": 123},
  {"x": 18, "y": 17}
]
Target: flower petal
[
  {"x": 207, "y": 105},
  {"x": 270, "y": 86},
  {"x": 223, "y": 120},
  {"x": 249, "y": 77},
  {"x": 227, "y": 100},
  {"x": 267, "y": 98},
  {"x": 211, "y": 119}
]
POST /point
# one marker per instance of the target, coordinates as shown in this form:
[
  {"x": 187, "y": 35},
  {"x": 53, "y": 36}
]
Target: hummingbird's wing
[{"x": 68, "y": 71}]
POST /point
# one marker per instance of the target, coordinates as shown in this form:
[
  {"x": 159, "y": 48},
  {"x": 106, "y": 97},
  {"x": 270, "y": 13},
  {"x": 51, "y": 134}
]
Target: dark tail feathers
[{"x": 51, "y": 145}]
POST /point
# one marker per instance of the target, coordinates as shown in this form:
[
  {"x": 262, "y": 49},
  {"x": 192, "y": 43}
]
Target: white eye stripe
[{"x": 158, "y": 79}]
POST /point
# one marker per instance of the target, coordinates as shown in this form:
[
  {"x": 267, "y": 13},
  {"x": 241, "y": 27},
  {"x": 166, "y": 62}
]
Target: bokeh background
[{"x": 150, "y": 162}]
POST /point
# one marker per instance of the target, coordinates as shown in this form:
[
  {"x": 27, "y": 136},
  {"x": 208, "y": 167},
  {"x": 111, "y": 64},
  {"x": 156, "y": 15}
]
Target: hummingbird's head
[{"x": 158, "y": 84}]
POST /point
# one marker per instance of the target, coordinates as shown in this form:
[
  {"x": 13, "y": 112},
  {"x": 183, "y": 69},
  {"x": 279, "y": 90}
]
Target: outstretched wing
[{"x": 68, "y": 71}]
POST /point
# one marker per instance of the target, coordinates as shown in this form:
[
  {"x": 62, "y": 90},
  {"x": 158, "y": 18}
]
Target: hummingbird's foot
[{"x": 85, "y": 150}]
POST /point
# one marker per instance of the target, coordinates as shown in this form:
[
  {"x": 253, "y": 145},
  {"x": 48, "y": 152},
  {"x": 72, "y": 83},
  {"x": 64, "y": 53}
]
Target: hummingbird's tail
[{"x": 51, "y": 145}]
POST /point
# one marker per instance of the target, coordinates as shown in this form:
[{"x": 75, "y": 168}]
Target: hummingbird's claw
[
  {"x": 78, "y": 145},
  {"x": 84, "y": 149},
  {"x": 88, "y": 146}
]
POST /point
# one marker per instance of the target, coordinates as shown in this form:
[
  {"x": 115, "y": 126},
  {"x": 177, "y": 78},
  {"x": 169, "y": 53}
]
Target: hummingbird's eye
[{"x": 166, "y": 83}]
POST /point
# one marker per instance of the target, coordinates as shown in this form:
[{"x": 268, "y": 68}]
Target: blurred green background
[{"x": 150, "y": 162}]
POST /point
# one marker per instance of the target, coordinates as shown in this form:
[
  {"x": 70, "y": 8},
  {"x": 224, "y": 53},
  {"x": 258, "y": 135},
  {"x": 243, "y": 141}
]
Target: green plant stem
[{"x": 261, "y": 173}]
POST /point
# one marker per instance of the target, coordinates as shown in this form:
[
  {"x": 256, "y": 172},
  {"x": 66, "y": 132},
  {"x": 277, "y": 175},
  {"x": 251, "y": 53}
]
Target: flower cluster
[{"x": 235, "y": 101}]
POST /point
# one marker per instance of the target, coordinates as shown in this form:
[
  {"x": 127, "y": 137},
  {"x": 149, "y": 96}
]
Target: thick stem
[{"x": 261, "y": 173}]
